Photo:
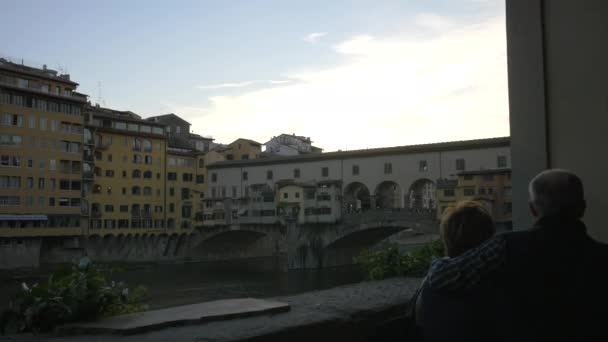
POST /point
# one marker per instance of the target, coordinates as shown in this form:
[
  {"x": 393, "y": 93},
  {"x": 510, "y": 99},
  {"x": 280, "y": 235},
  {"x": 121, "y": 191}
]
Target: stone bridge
[
  {"x": 294, "y": 246},
  {"x": 328, "y": 245}
]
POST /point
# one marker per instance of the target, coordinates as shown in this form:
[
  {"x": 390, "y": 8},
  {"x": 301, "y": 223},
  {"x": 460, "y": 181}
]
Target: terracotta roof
[
  {"x": 170, "y": 115},
  {"x": 409, "y": 149},
  {"x": 253, "y": 142}
]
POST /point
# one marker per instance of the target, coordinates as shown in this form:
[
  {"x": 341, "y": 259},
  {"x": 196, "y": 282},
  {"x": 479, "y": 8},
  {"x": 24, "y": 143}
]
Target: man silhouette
[{"x": 552, "y": 274}]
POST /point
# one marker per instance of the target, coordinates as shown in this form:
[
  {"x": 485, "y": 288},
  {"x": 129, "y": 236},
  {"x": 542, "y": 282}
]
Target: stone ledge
[
  {"x": 368, "y": 311},
  {"x": 176, "y": 316}
]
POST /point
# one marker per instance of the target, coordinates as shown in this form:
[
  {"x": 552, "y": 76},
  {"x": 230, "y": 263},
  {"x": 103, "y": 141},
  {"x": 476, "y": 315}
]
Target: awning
[{"x": 23, "y": 218}]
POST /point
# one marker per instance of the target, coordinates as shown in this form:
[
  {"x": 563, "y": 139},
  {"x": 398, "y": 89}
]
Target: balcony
[
  {"x": 102, "y": 145},
  {"x": 88, "y": 175},
  {"x": 135, "y": 213}
]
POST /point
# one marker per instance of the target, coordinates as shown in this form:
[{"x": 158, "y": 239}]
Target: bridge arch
[
  {"x": 388, "y": 195},
  {"x": 357, "y": 197},
  {"x": 421, "y": 195}
]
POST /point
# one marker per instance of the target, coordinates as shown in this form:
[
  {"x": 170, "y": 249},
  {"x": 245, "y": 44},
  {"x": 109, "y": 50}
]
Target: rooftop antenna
[{"x": 100, "y": 99}]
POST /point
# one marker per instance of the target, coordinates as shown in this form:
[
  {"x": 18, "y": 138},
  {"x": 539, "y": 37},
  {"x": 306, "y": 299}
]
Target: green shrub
[
  {"x": 386, "y": 263},
  {"x": 82, "y": 292}
]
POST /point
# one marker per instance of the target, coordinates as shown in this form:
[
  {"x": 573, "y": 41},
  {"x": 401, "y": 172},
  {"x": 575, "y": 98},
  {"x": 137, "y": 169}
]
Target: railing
[
  {"x": 135, "y": 213},
  {"x": 102, "y": 146},
  {"x": 89, "y": 175}
]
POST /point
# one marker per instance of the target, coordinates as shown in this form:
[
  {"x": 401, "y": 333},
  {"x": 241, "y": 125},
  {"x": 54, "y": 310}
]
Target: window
[
  {"x": 147, "y": 174},
  {"x": 178, "y": 129},
  {"x": 245, "y": 175},
  {"x": 124, "y": 208},
  {"x": 469, "y": 191},
  {"x": 468, "y": 177},
  {"x": 171, "y": 207},
  {"x": 214, "y": 177},
  {"x": 136, "y": 144},
  {"x": 42, "y": 163},
  {"x": 234, "y": 191},
  {"x": 12, "y": 120},
  {"x": 136, "y": 174},
  {"x": 148, "y": 159},
  {"x": 229, "y": 157},
  {"x": 171, "y": 191},
  {"x": 297, "y": 194},
  {"x": 269, "y": 174},
  {"x": 124, "y": 191},
  {"x": 200, "y": 179},
  {"x": 10, "y": 182},
  {"x": 223, "y": 192},
  {"x": 172, "y": 176},
  {"x": 109, "y": 157},
  {"x": 10, "y": 161},
  {"x": 324, "y": 171},
  {"x": 388, "y": 168},
  {"x": 309, "y": 194},
  {"x": 147, "y": 191},
  {"x": 423, "y": 166},
  {"x": 109, "y": 208},
  {"x": 43, "y": 124},
  {"x": 109, "y": 173},
  {"x": 9, "y": 200},
  {"x": 10, "y": 140},
  {"x": 187, "y": 177},
  {"x": 213, "y": 192},
  {"x": 51, "y": 201},
  {"x": 137, "y": 159},
  {"x": 501, "y": 161},
  {"x": 52, "y": 165},
  {"x": 507, "y": 208},
  {"x": 54, "y": 125},
  {"x": 460, "y": 164},
  {"x": 285, "y": 195},
  {"x": 185, "y": 193},
  {"x": 64, "y": 184},
  {"x": 52, "y": 184},
  {"x": 201, "y": 163},
  {"x": 135, "y": 190},
  {"x": 355, "y": 170},
  {"x": 41, "y": 183},
  {"x": 488, "y": 177},
  {"x": 171, "y": 161},
  {"x": 448, "y": 192},
  {"x": 481, "y": 191},
  {"x": 245, "y": 157},
  {"x": 296, "y": 173},
  {"x": 147, "y": 145}
]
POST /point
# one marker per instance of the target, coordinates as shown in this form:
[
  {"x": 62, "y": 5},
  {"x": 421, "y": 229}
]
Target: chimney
[{"x": 44, "y": 67}]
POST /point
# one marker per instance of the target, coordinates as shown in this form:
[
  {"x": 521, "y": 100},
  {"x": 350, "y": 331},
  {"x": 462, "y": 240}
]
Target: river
[{"x": 180, "y": 284}]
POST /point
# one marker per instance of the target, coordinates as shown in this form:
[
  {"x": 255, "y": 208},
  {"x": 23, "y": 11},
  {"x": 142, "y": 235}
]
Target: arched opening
[
  {"x": 421, "y": 195},
  {"x": 388, "y": 194},
  {"x": 357, "y": 198},
  {"x": 136, "y": 174}
]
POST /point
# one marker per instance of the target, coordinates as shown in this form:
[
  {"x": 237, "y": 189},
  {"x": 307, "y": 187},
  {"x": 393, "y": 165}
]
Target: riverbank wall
[{"x": 367, "y": 311}]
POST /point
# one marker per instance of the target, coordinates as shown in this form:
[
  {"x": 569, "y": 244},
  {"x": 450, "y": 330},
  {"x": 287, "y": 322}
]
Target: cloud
[
  {"x": 314, "y": 37},
  {"x": 227, "y": 85},
  {"x": 391, "y": 90},
  {"x": 279, "y": 81}
]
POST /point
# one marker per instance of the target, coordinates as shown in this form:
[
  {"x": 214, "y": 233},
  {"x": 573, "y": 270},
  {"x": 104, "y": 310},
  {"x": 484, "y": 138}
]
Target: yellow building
[
  {"x": 41, "y": 139},
  {"x": 185, "y": 186},
  {"x": 241, "y": 149},
  {"x": 490, "y": 187},
  {"x": 124, "y": 167}
]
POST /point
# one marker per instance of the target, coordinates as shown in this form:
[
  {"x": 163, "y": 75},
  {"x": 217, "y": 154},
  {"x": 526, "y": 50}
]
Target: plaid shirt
[{"x": 467, "y": 270}]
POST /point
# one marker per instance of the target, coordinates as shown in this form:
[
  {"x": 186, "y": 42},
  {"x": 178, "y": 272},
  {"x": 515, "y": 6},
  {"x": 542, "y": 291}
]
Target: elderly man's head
[{"x": 557, "y": 192}]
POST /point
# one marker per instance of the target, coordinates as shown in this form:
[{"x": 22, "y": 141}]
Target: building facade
[
  {"x": 491, "y": 187},
  {"x": 125, "y": 172},
  {"x": 41, "y": 142},
  {"x": 241, "y": 149},
  {"x": 386, "y": 178},
  {"x": 290, "y": 145}
]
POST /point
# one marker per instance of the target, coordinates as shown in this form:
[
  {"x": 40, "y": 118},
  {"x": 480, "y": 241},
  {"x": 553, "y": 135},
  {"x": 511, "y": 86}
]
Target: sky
[{"x": 349, "y": 74}]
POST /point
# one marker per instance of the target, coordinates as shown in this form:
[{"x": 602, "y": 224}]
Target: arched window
[
  {"x": 147, "y": 145},
  {"x": 136, "y": 144},
  {"x": 135, "y": 209},
  {"x": 136, "y": 190},
  {"x": 147, "y": 174},
  {"x": 136, "y": 174}
]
